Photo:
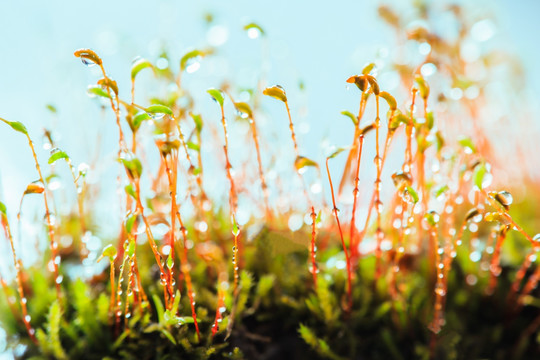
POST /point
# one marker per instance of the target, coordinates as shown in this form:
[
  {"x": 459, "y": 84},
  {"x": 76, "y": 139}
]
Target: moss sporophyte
[{"x": 421, "y": 253}]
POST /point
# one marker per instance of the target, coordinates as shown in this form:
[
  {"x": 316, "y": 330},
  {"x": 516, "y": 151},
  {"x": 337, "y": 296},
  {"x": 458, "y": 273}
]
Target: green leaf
[
  {"x": 396, "y": 120},
  {"x": 53, "y": 330},
  {"x": 254, "y": 26},
  {"x": 159, "y": 308},
  {"x": 478, "y": 176},
  {"x": 467, "y": 143},
  {"x": 192, "y": 55},
  {"x": 243, "y": 108},
  {"x": 2, "y": 208},
  {"x": 217, "y": 95},
  {"x": 131, "y": 248},
  {"x": 130, "y": 222},
  {"x": 170, "y": 262},
  {"x": 94, "y": 90},
  {"x": 139, "y": 65},
  {"x": 130, "y": 191},
  {"x": 413, "y": 194},
  {"x": 51, "y": 108},
  {"x": 191, "y": 145},
  {"x": 302, "y": 161},
  {"x": 133, "y": 167},
  {"x": 109, "y": 251},
  {"x": 139, "y": 118},
  {"x": 430, "y": 120},
  {"x": 423, "y": 86},
  {"x": 159, "y": 109},
  {"x": 197, "y": 119},
  {"x": 350, "y": 116},
  {"x": 57, "y": 156},
  {"x": 17, "y": 126},
  {"x": 276, "y": 92}
]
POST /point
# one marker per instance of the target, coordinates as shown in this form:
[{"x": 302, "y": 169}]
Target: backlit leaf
[
  {"x": 17, "y": 126},
  {"x": 87, "y": 54},
  {"x": 159, "y": 109},
  {"x": 252, "y": 25},
  {"x": 34, "y": 188},
  {"x": 243, "y": 108},
  {"x": 367, "y": 69},
  {"x": 57, "y": 156},
  {"x": 350, "y": 116},
  {"x": 389, "y": 99},
  {"x": 276, "y": 92},
  {"x": 139, "y": 65},
  {"x": 479, "y": 173},
  {"x": 302, "y": 161},
  {"x": 97, "y": 90},
  {"x": 217, "y": 95}
]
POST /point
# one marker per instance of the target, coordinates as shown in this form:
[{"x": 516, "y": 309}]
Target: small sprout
[
  {"x": 139, "y": 65},
  {"x": 374, "y": 85},
  {"x": 277, "y": 92},
  {"x": 157, "y": 111},
  {"x": 88, "y": 57},
  {"x": 57, "y": 155},
  {"x": 441, "y": 190},
  {"x": 350, "y": 116},
  {"x": 135, "y": 124},
  {"x": 133, "y": 167},
  {"x": 413, "y": 194},
  {"x": 479, "y": 174},
  {"x": 170, "y": 262},
  {"x": 244, "y": 109},
  {"x": 51, "y": 108},
  {"x": 217, "y": 95},
  {"x": 109, "y": 83},
  {"x": 423, "y": 86},
  {"x": 197, "y": 119},
  {"x": 110, "y": 252},
  {"x": 397, "y": 120},
  {"x": 130, "y": 222},
  {"x": 368, "y": 68},
  {"x": 432, "y": 217},
  {"x": 34, "y": 188},
  {"x": 301, "y": 162},
  {"x": 130, "y": 191},
  {"x": 191, "y": 55},
  {"x": 440, "y": 140},
  {"x": 367, "y": 129},
  {"x": 468, "y": 144},
  {"x": 336, "y": 152},
  {"x": 131, "y": 249},
  {"x": 191, "y": 145},
  {"x": 430, "y": 120},
  {"x": 94, "y": 90},
  {"x": 472, "y": 214},
  {"x": 401, "y": 180},
  {"x": 17, "y": 126},
  {"x": 504, "y": 198},
  {"x": 360, "y": 82},
  {"x": 253, "y": 30},
  {"x": 389, "y": 99},
  {"x": 319, "y": 217},
  {"x": 236, "y": 229},
  {"x": 2, "y": 208}
]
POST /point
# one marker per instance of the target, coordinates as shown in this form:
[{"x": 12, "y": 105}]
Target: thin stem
[{"x": 347, "y": 258}]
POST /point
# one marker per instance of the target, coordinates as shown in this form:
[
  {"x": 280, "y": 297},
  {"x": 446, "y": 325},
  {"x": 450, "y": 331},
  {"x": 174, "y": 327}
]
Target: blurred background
[{"x": 308, "y": 49}]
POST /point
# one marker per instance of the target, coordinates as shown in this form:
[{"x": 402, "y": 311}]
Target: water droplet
[
  {"x": 59, "y": 279},
  {"x": 401, "y": 180},
  {"x": 504, "y": 198},
  {"x": 27, "y": 318},
  {"x": 377, "y": 161},
  {"x": 87, "y": 62},
  {"x": 253, "y": 33}
]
